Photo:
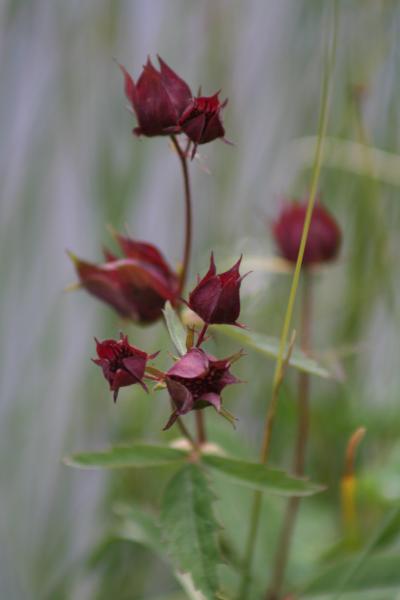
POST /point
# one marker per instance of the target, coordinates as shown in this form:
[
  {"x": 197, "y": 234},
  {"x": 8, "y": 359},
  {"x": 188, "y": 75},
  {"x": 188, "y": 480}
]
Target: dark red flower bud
[
  {"x": 201, "y": 120},
  {"x": 158, "y": 99},
  {"x": 196, "y": 381},
  {"x": 136, "y": 286},
  {"x": 216, "y": 298},
  {"x": 324, "y": 236},
  {"x": 122, "y": 363}
]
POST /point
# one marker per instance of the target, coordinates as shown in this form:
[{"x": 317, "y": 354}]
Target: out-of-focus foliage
[{"x": 69, "y": 166}]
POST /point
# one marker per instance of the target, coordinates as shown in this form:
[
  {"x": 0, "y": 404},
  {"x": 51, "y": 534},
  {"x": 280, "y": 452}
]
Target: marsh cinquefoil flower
[
  {"x": 136, "y": 286},
  {"x": 324, "y": 236},
  {"x": 201, "y": 120},
  {"x": 216, "y": 298},
  {"x": 122, "y": 364},
  {"x": 158, "y": 99},
  {"x": 196, "y": 381}
]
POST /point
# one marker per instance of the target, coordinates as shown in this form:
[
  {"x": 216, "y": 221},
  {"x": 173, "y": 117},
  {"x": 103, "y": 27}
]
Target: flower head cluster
[
  {"x": 197, "y": 379},
  {"x": 136, "y": 286},
  {"x": 138, "y": 283},
  {"x": 164, "y": 104},
  {"x": 324, "y": 236}
]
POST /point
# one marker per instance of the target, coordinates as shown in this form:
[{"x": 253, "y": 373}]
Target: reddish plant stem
[
  {"x": 184, "y": 430},
  {"x": 182, "y": 154},
  {"x": 286, "y": 536},
  {"x": 188, "y": 214},
  {"x": 201, "y": 431},
  {"x": 201, "y": 335}
]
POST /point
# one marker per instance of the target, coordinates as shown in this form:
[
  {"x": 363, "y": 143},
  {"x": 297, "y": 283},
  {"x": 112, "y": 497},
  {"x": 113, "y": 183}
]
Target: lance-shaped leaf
[
  {"x": 175, "y": 328},
  {"x": 141, "y": 527},
  {"x": 260, "y": 477},
  {"x": 190, "y": 528},
  {"x": 269, "y": 346},
  {"x": 137, "y": 455}
]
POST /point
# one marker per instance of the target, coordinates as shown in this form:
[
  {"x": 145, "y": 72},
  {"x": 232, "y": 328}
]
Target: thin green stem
[
  {"x": 279, "y": 368},
  {"x": 188, "y": 213},
  {"x": 286, "y": 535}
]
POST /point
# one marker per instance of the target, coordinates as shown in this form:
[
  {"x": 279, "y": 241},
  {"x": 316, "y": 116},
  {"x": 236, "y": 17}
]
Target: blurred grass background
[{"x": 69, "y": 166}]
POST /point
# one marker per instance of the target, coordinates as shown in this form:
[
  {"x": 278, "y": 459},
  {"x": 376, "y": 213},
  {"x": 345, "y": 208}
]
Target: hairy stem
[
  {"x": 279, "y": 368},
  {"x": 286, "y": 536},
  {"x": 188, "y": 214}
]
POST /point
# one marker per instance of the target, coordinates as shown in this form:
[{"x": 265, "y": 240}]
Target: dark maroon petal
[
  {"x": 121, "y": 379},
  {"x": 228, "y": 308},
  {"x": 135, "y": 365},
  {"x": 177, "y": 88},
  {"x": 103, "y": 282},
  {"x": 212, "y": 270},
  {"x": 205, "y": 297},
  {"x": 138, "y": 274},
  {"x": 140, "y": 250},
  {"x": 188, "y": 112},
  {"x": 155, "y": 110},
  {"x": 227, "y": 378},
  {"x": 181, "y": 396},
  {"x": 132, "y": 288},
  {"x": 194, "y": 128},
  {"x": 106, "y": 349},
  {"x": 232, "y": 273},
  {"x": 151, "y": 256},
  {"x": 216, "y": 298},
  {"x": 213, "y": 130},
  {"x": 191, "y": 365},
  {"x": 130, "y": 88},
  {"x": 213, "y": 399}
]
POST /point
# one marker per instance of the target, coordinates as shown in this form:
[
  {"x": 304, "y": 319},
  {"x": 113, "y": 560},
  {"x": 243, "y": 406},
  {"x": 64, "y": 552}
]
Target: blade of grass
[{"x": 279, "y": 368}]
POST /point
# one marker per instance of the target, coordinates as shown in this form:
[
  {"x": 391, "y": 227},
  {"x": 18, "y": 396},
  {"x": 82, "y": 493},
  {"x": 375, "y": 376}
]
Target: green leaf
[
  {"x": 260, "y": 477},
  {"x": 269, "y": 346},
  {"x": 190, "y": 528},
  {"x": 137, "y": 455},
  {"x": 175, "y": 328},
  {"x": 142, "y": 528},
  {"x": 379, "y": 572}
]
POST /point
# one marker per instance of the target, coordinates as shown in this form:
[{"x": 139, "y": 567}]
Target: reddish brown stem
[
  {"x": 201, "y": 335},
  {"x": 182, "y": 154},
  {"x": 201, "y": 432},
  {"x": 184, "y": 430},
  {"x": 188, "y": 214}
]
